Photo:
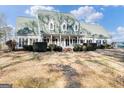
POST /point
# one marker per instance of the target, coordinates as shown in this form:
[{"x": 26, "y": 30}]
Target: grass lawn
[{"x": 101, "y": 68}]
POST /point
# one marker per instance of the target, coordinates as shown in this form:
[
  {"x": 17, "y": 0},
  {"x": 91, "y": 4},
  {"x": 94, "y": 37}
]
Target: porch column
[
  {"x": 64, "y": 42},
  {"x": 60, "y": 42},
  {"x": 51, "y": 39},
  {"x": 72, "y": 41},
  {"x": 69, "y": 40}
]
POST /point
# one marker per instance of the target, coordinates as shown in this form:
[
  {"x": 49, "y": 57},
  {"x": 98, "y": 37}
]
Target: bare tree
[
  {"x": 5, "y": 30},
  {"x": 2, "y": 24}
]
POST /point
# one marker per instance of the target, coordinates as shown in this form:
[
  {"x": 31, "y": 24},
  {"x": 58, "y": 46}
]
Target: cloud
[
  {"x": 33, "y": 9},
  {"x": 102, "y": 9},
  {"x": 118, "y": 35},
  {"x": 120, "y": 29},
  {"x": 87, "y": 14}
]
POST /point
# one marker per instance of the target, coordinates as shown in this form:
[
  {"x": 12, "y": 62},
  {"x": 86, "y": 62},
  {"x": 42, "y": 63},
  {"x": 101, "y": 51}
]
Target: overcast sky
[{"x": 110, "y": 17}]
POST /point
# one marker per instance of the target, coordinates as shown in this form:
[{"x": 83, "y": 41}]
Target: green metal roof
[
  {"x": 24, "y": 22},
  {"x": 58, "y": 18},
  {"x": 45, "y": 16},
  {"x": 95, "y": 29}
]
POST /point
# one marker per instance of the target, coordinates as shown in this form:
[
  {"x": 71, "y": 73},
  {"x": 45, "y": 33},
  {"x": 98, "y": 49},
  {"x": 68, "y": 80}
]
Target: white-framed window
[
  {"x": 76, "y": 26},
  {"x": 51, "y": 25},
  {"x": 64, "y": 26}
]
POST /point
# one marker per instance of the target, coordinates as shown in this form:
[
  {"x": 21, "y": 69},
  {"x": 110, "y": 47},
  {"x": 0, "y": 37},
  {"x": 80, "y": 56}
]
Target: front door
[{"x": 67, "y": 42}]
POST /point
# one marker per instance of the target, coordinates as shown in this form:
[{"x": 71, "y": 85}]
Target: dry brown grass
[{"x": 70, "y": 69}]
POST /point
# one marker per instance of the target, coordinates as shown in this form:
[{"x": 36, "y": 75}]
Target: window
[
  {"x": 64, "y": 27},
  {"x": 98, "y": 42},
  {"x": 76, "y": 28},
  {"x": 51, "y": 25},
  {"x": 26, "y": 41},
  {"x": 104, "y": 41},
  {"x": 23, "y": 41},
  {"x": 36, "y": 40},
  {"x": 82, "y": 41},
  {"x": 30, "y": 41},
  {"x": 33, "y": 41}
]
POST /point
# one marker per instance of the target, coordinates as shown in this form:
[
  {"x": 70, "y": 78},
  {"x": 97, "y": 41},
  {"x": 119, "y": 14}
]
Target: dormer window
[
  {"x": 76, "y": 27},
  {"x": 51, "y": 25},
  {"x": 64, "y": 27}
]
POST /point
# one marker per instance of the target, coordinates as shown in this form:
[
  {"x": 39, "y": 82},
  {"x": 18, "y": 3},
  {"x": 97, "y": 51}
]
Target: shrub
[
  {"x": 107, "y": 46},
  {"x": 101, "y": 47},
  {"x": 77, "y": 48},
  {"x": 84, "y": 47},
  {"x": 91, "y": 47},
  {"x": 51, "y": 47},
  {"x": 58, "y": 48},
  {"x": 85, "y": 44},
  {"x": 94, "y": 46},
  {"x": 28, "y": 47},
  {"x": 11, "y": 45},
  {"x": 40, "y": 46}
]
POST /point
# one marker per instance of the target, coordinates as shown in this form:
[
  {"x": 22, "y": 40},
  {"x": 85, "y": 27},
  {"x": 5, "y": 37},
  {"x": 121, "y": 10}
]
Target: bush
[
  {"x": 107, "y": 46},
  {"x": 40, "y": 46},
  {"x": 58, "y": 48},
  {"x": 85, "y": 44},
  {"x": 11, "y": 45},
  {"x": 53, "y": 47},
  {"x": 101, "y": 47},
  {"x": 91, "y": 47},
  {"x": 94, "y": 46},
  {"x": 84, "y": 47},
  {"x": 77, "y": 48},
  {"x": 28, "y": 47}
]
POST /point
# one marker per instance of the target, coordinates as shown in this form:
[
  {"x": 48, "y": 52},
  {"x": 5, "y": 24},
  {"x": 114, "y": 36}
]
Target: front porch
[{"x": 66, "y": 41}]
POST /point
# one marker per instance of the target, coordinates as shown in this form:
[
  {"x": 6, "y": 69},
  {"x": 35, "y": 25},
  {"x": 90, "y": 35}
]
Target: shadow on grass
[
  {"x": 113, "y": 53},
  {"x": 72, "y": 77},
  {"x": 100, "y": 63},
  {"x": 14, "y": 63}
]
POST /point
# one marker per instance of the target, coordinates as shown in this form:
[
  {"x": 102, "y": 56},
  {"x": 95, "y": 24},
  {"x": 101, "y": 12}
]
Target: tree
[
  {"x": 2, "y": 20},
  {"x": 2, "y": 24},
  {"x": 4, "y": 29}
]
